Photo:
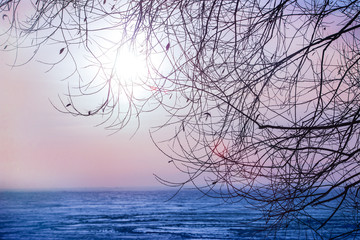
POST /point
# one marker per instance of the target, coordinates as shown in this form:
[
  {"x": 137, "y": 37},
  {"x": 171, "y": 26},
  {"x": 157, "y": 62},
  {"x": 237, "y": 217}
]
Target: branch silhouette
[{"x": 263, "y": 96}]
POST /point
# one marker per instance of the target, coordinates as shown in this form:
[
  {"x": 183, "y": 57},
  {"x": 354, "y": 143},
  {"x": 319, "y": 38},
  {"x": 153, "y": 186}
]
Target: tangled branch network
[{"x": 263, "y": 96}]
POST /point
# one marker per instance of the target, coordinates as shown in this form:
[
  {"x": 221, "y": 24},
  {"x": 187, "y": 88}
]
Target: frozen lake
[{"x": 128, "y": 215}]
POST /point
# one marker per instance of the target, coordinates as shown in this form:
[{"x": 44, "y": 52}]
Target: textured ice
[{"x": 126, "y": 215}]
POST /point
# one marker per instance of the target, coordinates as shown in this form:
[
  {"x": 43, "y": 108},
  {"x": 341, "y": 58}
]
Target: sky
[{"x": 41, "y": 148}]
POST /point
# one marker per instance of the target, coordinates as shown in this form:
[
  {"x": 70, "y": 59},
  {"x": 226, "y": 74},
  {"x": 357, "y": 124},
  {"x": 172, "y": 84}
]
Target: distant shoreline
[{"x": 97, "y": 189}]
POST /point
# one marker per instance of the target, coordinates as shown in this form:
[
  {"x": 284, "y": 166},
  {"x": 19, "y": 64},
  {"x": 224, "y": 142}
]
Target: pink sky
[{"x": 43, "y": 148}]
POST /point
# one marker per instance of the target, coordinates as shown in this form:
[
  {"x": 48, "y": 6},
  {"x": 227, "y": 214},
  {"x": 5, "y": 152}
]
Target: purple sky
[{"x": 43, "y": 148}]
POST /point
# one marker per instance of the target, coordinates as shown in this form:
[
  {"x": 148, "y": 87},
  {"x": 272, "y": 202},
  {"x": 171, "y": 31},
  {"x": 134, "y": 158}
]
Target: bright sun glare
[
  {"x": 131, "y": 66},
  {"x": 133, "y": 70}
]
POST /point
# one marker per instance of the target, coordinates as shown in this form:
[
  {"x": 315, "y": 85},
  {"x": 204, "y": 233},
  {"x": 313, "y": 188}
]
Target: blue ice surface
[{"x": 128, "y": 215}]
